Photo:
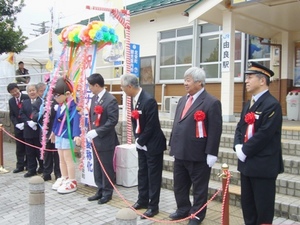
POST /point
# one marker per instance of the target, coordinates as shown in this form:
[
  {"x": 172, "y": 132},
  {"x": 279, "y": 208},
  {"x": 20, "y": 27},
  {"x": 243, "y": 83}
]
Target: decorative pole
[
  {"x": 2, "y": 169},
  {"x": 225, "y": 188}
]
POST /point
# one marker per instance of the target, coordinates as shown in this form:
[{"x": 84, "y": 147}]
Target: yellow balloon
[{"x": 92, "y": 33}]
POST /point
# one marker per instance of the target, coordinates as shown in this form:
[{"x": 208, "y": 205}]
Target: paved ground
[{"x": 72, "y": 209}]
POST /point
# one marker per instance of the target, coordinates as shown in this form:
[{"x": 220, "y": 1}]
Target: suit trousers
[
  {"x": 258, "y": 199},
  {"x": 188, "y": 173},
  {"x": 149, "y": 178},
  {"x": 33, "y": 155},
  {"x": 105, "y": 189},
  {"x": 20, "y": 152},
  {"x": 51, "y": 161}
]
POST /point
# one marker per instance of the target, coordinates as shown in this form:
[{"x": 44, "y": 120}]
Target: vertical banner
[
  {"x": 135, "y": 59},
  {"x": 87, "y": 173},
  {"x": 226, "y": 53}
]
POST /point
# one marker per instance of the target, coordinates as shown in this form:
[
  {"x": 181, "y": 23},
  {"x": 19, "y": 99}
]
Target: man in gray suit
[
  {"x": 103, "y": 116},
  {"x": 194, "y": 143}
]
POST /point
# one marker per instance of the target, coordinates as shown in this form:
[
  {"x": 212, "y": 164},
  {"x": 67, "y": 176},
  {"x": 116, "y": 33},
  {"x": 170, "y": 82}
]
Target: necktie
[
  {"x": 18, "y": 103},
  {"x": 97, "y": 98},
  {"x": 187, "y": 106},
  {"x": 134, "y": 103},
  {"x": 252, "y": 102}
]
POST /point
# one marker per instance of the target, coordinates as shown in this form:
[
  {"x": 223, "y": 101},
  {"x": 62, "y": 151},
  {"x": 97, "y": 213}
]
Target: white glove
[
  {"x": 20, "y": 126},
  {"x": 91, "y": 135},
  {"x": 239, "y": 152},
  {"x": 140, "y": 147},
  {"x": 211, "y": 159},
  {"x": 56, "y": 107},
  {"x": 32, "y": 124}
]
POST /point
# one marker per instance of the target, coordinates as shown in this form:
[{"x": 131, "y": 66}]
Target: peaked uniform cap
[{"x": 256, "y": 68}]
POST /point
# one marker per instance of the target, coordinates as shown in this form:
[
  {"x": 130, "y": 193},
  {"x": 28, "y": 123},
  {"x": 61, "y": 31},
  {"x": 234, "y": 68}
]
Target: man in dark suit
[
  {"x": 31, "y": 133},
  {"x": 150, "y": 143},
  {"x": 194, "y": 143},
  {"x": 103, "y": 117},
  {"x": 257, "y": 144},
  {"x": 15, "y": 103}
]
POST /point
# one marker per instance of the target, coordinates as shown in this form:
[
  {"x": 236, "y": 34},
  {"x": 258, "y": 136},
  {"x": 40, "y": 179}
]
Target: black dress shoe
[
  {"x": 150, "y": 213},
  {"x": 195, "y": 222},
  {"x": 40, "y": 170},
  {"x": 29, "y": 174},
  {"x": 18, "y": 170},
  {"x": 104, "y": 199},
  {"x": 139, "y": 206},
  {"x": 46, "y": 177},
  {"x": 94, "y": 197},
  {"x": 177, "y": 216}
]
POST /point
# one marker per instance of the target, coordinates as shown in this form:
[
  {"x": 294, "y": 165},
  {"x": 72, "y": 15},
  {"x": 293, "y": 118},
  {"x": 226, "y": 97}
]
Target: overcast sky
[{"x": 65, "y": 12}]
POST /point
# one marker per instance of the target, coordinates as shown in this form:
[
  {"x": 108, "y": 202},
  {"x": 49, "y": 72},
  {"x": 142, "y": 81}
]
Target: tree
[{"x": 12, "y": 39}]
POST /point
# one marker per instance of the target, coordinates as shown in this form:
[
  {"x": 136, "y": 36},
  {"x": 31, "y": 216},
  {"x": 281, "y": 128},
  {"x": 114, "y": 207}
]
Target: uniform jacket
[
  {"x": 14, "y": 111},
  {"x": 107, "y": 138},
  {"x": 183, "y": 141},
  {"x": 150, "y": 134},
  {"x": 74, "y": 121},
  {"x": 263, "y": 149}
]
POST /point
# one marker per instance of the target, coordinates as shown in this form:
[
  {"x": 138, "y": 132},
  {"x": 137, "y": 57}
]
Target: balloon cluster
[{"x": 94, "y": 33}]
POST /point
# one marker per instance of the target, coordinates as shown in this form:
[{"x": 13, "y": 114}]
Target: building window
[
  {"x": 175, "y": 53},
  {"x": 210, "y": 50}
]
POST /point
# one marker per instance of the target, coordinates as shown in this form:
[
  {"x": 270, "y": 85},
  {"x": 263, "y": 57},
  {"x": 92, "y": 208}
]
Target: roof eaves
[
  {"x": 161, "y": 5},
  {"x": 192, "y": 6}
]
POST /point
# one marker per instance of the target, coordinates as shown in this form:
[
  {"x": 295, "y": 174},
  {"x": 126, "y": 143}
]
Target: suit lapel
[
  {"x": 140, "y": 99},
  {"x": 195, "y": 104}
]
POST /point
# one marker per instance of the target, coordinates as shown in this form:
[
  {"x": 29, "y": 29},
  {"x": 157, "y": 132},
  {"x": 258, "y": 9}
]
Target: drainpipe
[{"x": 280, "y": 55}]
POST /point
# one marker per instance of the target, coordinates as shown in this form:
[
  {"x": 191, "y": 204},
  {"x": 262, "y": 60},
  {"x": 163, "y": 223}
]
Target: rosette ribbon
[
  {"x": 98, "y": 110},
  {"x": 249, "y": 119},
  {"x": 135, "y": 115},
  {"x": 199, "y": 116}
]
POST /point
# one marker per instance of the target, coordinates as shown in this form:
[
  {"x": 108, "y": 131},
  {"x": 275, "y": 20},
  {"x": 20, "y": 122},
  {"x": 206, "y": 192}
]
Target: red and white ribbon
[
  {"x": 97, "y": 121},
  {"x": 249, "y": 132},
  {"x": 200, "y": 130},
  {"x": 250, "y": 120},
  {"x": 137, "y": 129}
]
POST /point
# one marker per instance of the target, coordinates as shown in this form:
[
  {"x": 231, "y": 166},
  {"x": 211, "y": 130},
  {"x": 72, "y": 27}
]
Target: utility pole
[{"x": 42, "y": 28}]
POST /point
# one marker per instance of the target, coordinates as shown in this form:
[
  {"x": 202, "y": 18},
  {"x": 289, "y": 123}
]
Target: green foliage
[{"x": 12, "y": 39}]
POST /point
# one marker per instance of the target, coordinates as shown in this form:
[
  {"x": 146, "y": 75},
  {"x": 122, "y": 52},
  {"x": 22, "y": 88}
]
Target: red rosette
[
  {"x": 199, "y": 116},
  {"x": 250, "y": 118},
  {"x": 98, "y": 109},
  {"x": 135, "y": 114}
]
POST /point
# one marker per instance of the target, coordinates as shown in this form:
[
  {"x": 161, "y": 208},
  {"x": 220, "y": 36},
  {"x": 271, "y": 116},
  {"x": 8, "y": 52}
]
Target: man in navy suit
[
  {"x": 194, "y": 143},
  {"x": 15, "y": 104},
  {"x": 257, "y": 143},
  {"x": 103, "y": 116},
  {"x": 150, "y": 143}
]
